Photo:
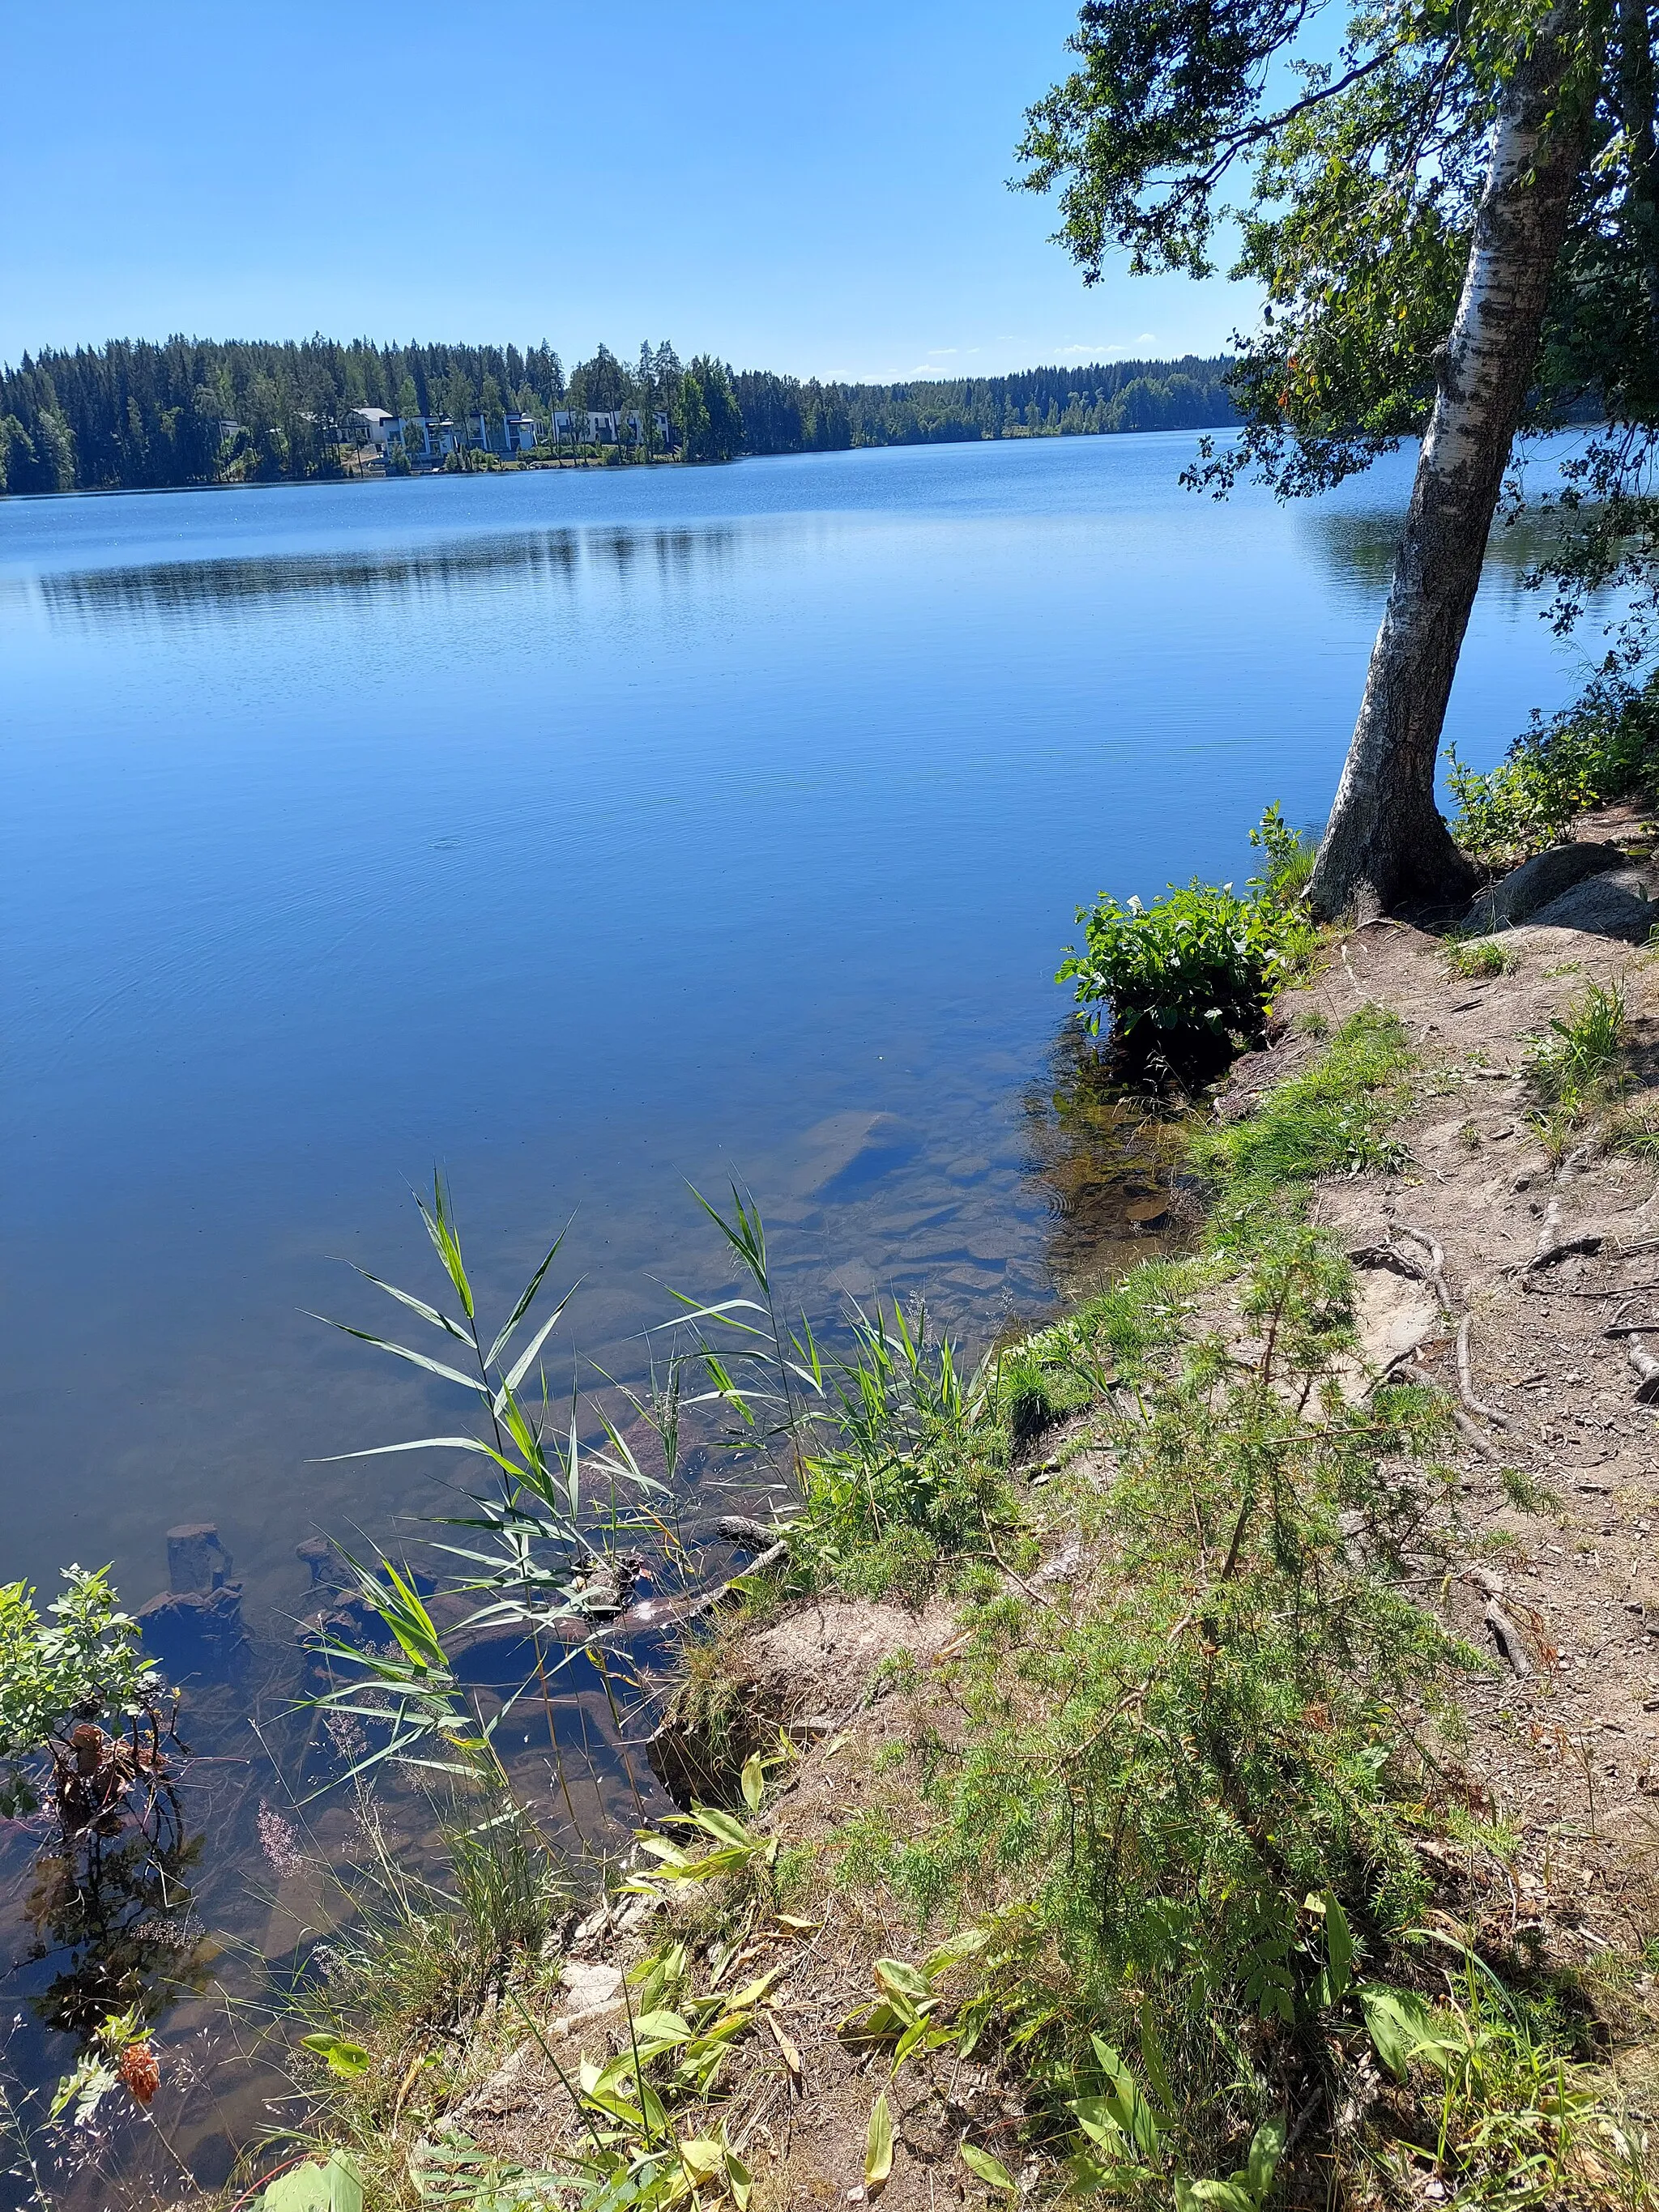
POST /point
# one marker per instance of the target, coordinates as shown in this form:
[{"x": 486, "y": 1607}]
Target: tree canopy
[{"x": 1391, "y": 183}]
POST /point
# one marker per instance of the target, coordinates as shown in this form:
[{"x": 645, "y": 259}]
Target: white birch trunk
[{"x": 1387, "y": 843}]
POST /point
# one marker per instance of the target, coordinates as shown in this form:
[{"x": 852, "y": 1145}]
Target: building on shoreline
[{"x": 433, "y": 437}]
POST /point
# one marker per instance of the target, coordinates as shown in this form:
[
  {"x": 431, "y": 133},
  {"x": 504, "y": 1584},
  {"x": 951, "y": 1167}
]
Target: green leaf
[
  {"x": 402, "y": 1352},
  {"x": 301, "y": 2189},
  {"x": 878, "y": 2144},
  {"x": 901, "y": 1980},
  {"x": 523, "y": 1307},
  {"x": 345, "y": 2184},
  {"x": 1339, "y": 1950},
  {"x": 348, "y": 2059},
  {"x": 1398, "y": 2023},
  {"x": 988, "y": 2169},
  {"x": 1227, "y": 2194},
  {"x": 1266, "y": 2149},
  {"x": 527, "y": 1360},
  {"x": 754, "y": 1781}
]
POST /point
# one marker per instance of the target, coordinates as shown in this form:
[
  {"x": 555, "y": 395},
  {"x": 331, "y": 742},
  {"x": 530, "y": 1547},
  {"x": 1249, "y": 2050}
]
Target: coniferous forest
[{"x": 133, "y": 414}]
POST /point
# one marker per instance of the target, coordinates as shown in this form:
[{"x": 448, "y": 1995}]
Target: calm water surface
[{"x": 590, "y": 835}]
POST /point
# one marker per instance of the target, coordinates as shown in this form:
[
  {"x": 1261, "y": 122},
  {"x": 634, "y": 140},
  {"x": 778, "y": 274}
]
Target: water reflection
[
  {"x": 1108, "y": 1159},
  {"x": 1358, "y": 546},
  {"x": 537, "y": 559}
]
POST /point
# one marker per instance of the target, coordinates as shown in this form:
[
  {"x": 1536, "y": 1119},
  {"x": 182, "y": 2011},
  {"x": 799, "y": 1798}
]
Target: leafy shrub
[
  {"x": 1604, "y": 747},
  {"x": 1201, "y": 959},
  {"x": 83, "y": 1663}
]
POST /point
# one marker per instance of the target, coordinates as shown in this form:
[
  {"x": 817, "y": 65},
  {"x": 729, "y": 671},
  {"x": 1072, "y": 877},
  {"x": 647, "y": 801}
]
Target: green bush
[
  {"x": 1202, "y": 959},
  {"x": 83, "y": 1663},
  {"x": 1604, "y": 747}
]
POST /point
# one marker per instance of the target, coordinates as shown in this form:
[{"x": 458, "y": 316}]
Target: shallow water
[{"x": 590, "y": 833}]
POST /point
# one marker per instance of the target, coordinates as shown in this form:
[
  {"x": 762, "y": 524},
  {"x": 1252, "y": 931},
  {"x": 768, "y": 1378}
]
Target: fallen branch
[
  {"x": 1553, "y": 1245},
  {"x": 1645, "y": 1367}
]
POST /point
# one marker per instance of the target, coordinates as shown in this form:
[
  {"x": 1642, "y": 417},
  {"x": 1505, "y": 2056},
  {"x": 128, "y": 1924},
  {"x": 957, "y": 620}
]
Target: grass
[
  {"x": 1149, "y": 1851},
  {"x": 1576, "y": 1069},
  {"x": 1475, "y": 958}
]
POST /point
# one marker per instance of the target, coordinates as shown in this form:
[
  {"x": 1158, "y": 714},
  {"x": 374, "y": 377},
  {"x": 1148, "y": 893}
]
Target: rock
[
  {"x": 194, "y": 1631},
  {"x": 327, "y": 1568},
  {"x": 1519, "y": 896},
  {"x": 1612, "y": 905},
  {"x": 197, "y": 1560},
  {"x": 590, "y": 1983}
]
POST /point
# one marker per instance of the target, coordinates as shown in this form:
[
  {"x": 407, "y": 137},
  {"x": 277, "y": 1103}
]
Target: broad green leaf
[
  {"x": 878, "y": 2144},
  {"x": 966, "y": 1944},
  {"x": 1266, "y": 2149},
  {"x": 754, "y": 1781},
  {"x": 988, "y": 2169},
  {"x": 348, "y": 2059},
  {"x": 1339, "y": 1950},
  {"x": 1227, "y": 2194},
  {"x": 301, "y": 2189},
  {"x": 901, "y": 1980},
  {"x": 739, "y": 2180},
  {"x": 345, "y": 2184},
  {"x": 702, "y": 2158},
  {"x": 724, "y": 1827}
]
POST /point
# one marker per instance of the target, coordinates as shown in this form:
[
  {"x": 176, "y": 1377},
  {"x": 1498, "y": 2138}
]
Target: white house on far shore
[{"x": 430, "y": 437}]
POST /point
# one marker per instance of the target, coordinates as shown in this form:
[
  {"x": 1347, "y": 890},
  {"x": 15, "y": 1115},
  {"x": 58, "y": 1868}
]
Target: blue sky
[{"x": 816, "y": 190}]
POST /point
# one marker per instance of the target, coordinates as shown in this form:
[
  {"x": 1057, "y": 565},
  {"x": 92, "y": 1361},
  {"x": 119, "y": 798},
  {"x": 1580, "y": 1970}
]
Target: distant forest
[{"x": 132, "y": 414}]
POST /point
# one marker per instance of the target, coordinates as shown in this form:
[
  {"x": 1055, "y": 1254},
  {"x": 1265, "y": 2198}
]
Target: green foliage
[
  {"x": 1290, "y": 856},
  {"x": 83, "y": 1661},
  {"x": 1201, "y": 959},
  {"x": 1035, "y": 1391},
  {"x": 1577, "y": 1064},
  {"x": 1332, "y": 1117},
  {"x": 1477, "y": 958}
]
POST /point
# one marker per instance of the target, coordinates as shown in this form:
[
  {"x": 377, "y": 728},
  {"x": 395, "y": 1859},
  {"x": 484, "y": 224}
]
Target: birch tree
[{"x": 1452, "y": 221}]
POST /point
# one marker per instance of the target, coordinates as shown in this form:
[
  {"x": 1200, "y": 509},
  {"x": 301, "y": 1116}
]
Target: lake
[{"x": 591, "y": 835}]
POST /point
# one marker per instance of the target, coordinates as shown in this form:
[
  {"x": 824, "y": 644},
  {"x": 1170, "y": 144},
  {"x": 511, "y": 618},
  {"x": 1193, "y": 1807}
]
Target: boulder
[
  {"x": 1519, "y": 896},
  {"x": 1612, "y": 905},
  {"x": 194, "y": 1631}
]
